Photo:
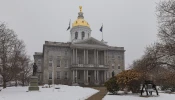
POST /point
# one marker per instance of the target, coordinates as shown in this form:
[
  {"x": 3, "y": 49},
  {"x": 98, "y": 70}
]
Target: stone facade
[{"x": 85, "y": 60}]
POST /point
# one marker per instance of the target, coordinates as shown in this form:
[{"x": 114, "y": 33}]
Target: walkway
[{"x": 98, "y": 96}]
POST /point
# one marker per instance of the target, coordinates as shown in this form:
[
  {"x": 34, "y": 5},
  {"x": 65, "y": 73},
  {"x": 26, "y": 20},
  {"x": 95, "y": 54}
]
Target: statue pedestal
[{"x": 33, "y": 84}]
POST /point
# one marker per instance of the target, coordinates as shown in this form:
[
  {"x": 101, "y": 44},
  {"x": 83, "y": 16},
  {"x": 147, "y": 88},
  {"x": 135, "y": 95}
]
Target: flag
[
  {"x": 101, "y": 29},
  {"x": 68, "y": 26}
]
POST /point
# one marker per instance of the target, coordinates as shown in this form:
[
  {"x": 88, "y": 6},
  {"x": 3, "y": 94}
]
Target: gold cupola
[{"x": 80, "y": 20}]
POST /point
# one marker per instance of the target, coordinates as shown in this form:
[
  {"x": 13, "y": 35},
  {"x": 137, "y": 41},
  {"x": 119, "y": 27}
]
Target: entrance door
[{"x": 89, "y": 78}]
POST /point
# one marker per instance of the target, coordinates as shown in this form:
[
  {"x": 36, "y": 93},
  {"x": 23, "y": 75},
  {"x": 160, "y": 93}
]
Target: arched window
[
  {"x": 82, "y": 35},
  {"x": 76, "y": 35}
]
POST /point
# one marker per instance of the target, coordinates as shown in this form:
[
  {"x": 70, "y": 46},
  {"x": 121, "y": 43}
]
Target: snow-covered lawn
[
  {"x": 64, "y": 93},
  {"x": 162, "y": 96}
]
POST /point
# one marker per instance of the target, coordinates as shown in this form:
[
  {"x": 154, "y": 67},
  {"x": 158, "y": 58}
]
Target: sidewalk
[{"x": 98, "y": 96}]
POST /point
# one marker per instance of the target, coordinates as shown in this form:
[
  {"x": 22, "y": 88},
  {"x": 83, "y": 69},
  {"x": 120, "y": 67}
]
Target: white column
[
  {"x": 87, "y": 57},
  {"x": 84, "y": 56},
  {"x": 105, "y": 76},
  {"x": 73, "y": 76},
  {"x": 94, "y": 57},
  {"x": 76, "y": 75},
  {"x": 73, "y": 57},
  {"x": 76, "y": 57},
  {"x": 87, "y": 76},
  {"x": 97, "y": 57}
]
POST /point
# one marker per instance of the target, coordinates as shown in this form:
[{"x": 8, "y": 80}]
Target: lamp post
[{"x": 53, "y": 85}]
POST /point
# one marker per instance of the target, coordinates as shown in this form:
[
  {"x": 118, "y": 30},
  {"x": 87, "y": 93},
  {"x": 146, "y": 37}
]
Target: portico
[{"x": 89, "y": 64}]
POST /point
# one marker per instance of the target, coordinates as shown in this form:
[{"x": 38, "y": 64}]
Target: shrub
[
  {"x": 112, "y": 85},
  {"x": 130, "y": 79}
]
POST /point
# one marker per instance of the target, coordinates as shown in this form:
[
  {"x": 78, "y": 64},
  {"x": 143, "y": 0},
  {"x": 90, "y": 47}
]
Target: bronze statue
[
  {"x": 113, "y": 74},
  {"x": 34, "y": 69}
]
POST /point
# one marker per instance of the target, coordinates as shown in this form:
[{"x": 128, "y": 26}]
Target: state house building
[{"x": 85, "y": 60}]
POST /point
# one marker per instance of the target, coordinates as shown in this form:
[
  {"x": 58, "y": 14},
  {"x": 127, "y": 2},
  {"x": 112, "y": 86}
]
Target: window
[
  {"x": 39, "y": 62},
  {"x": 59, "y": 53},
  {"x": 76, "y": 35},
  {"x": 66, "y": 75},
  {"x": 119, "y": 66},
  {"x": 109, "y": 75},
  {"x": 66, "y": 63},
  {"x": 112, "y": 55},
  {"x": 112, "y": 66},
  {"x": 65, "y": 53},
  {"x": 50, "y": 58},
  {"x": 50, "y": 75},
  {"x": 58, "y": 62},
  {"x": 50, "y": 61},
  {"x": 50, "y": 64},
  {"x": 82, "y": 35},
  {"x": 58, "y": 75},
  {"x": 119, "y": 57}
]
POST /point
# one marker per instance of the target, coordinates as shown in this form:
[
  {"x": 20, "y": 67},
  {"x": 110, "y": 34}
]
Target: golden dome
[{"x": 80, "y": 20}]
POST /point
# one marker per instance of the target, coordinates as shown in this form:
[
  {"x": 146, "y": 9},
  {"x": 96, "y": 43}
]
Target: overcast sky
[{"x": 131, "y": 24}]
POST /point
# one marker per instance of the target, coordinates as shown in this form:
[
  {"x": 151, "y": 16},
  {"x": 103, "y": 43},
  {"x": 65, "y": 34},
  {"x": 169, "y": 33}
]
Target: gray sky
[{"x": 127, "y": 23}]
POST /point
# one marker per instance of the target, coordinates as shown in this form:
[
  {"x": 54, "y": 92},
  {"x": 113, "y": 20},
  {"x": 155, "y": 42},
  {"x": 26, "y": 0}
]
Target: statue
[
  {"x": 80, "y": 8},
  {"x": 33, "y": 86},
  {"x": 34, "y": 69},
  {"x": 113, "y": 74}
]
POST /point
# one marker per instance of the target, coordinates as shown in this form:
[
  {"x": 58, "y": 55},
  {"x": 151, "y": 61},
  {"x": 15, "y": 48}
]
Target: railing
[
  {"x": 101, "y": 65},
  {"x": 88, "y": 65},
  {"x": 80, "y": 65}
]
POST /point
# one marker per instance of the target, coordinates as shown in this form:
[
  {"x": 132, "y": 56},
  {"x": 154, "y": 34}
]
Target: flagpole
[
  {"x": 102, "y": 31},
  {"x": 70, "y": 27}
]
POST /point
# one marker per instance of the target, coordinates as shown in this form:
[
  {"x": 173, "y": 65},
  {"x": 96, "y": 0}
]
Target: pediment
[{"x": 91, "y": 41}]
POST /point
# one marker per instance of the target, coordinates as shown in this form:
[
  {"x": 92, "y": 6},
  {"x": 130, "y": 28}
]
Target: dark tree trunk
[
  {"x": 4, "y": 84},
  {"x": 22, "y": 82},
  {"x": 16, "y": 84}
]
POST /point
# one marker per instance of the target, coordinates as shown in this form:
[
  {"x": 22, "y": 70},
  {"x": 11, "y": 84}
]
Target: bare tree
[
  {"x": 13, "y": 58},
  {"x": 166, "y": 19},
  {"x": 26, "y": 69},
  {"x": 7, "y": 43}
]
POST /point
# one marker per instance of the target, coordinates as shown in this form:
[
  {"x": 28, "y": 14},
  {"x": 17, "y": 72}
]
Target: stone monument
[{"x": 34, "y": 80}]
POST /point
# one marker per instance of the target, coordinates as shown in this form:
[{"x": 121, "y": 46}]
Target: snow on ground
[
  {"x": 162, "y": 96},
  {"x": 64, "y": 93}
]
